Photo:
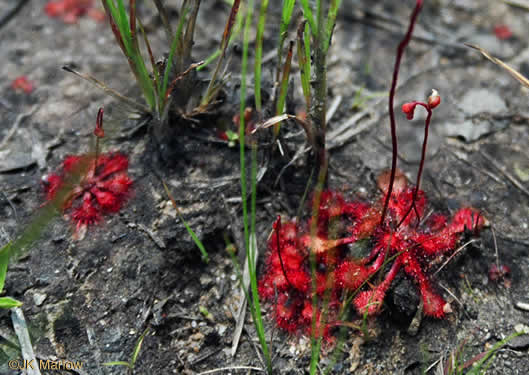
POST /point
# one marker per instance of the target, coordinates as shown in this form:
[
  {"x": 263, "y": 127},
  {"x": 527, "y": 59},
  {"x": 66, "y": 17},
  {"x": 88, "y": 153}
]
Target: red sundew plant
[
  {"x": 287, "y": 279},
  {"x": 22, "y": 83},
  {"x": 393, "y": 227},
  {"x": 101, "y": 187},
  {"x": 503, "y": 32},
  {"x": 69, "y": 11}
]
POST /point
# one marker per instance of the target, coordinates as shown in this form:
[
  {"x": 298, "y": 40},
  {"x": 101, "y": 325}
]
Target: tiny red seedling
[
  {"x": 69, "y": 11},
  {"x": 22, "y": 83}
]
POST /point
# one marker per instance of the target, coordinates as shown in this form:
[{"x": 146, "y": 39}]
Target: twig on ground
[
  {"x": 503, "y": 170},
  {"x": 382, "y": 23},
  {"x": 475, "y": 167},
  {"x": 300, "y": 152},
  {"x": 345, "y": 132},
  {"x": 333, "y": 107},
  {"x": 459, "y": 249},
  {"x": 522, "y": 305},
  {"x": 221, "y": 369},
  {"x": 13, "y": 208},
  {"x": 20, "y": 118},
  {"x": 522, "y": 4},
  {"x": 12, "y": 12},
  {"x": 153, "y": 236},
  {"x": 205, "y": 356},
  {"x": 495, "y": 247},
  {"x": 240, "y": 315},
  {"x": 21, "y": 330},
  {"x": 456, "y": 299}
]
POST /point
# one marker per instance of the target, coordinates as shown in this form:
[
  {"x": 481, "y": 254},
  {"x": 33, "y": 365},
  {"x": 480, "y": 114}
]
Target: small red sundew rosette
[
  {"x": 90, "y": 185},
  {"x": 503, "y": 32},
  {"x": 103, "y": 188},
  {"x": 22, "y": 83},
  {"x": 69, "y": 11}
]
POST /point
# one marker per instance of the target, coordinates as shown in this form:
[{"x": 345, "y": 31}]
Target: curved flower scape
[
  {"x": 100, "y": 189},
  {"x": 402, "y": 242}
]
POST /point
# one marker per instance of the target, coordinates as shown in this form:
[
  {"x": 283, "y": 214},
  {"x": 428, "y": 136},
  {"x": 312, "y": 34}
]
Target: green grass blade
[
  {"x": 250, "y": 241},
  {"x": 4, "y": 261},
  {"x": 126, "y": 38},
  {"x": 8, "y": 303},
  {"x": 155, "y": 72},
  {"x": 169, "y": 63},
  {"x": 123, "y": 24},
  {"x": 223, "y": 46},
  {"x": 239, "y": 20},
  {"x": 331, "y": 21},
  {"x": 307, "y": 13},
  {"x": 118, "y": 363},
  {"x": 200, "y": 245},
  {"x": 259, "y": 53},
  {"x": 485, "y": 359},
  {"x": 210, "y": 59},
  {"x": 286, "y": 17},
  {"x": 315, "y": 342},
  {"x": 304, "y": 61},
  {"x": 137, "y": 347},
  {"x": 283, "y": 91}
]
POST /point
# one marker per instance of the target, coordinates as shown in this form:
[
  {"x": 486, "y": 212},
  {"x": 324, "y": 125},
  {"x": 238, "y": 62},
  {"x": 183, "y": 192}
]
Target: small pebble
[
  {"x": 522, "y": 328},
  {"x": 221, "y": 328},
  {"x": 522, "y": 305},
  {"x": 197, "y": 336},
  {"x": 39, "y": 298},
  {"x": 194, "y": 324}
]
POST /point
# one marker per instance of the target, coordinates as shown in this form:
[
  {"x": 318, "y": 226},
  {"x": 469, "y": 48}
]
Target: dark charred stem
[
  {"x": 100, "y": 134},
  {"x": 400, "y": 53}
]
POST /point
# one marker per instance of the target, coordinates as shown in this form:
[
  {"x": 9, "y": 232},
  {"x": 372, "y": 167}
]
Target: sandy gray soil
[{"x": 90, "y": 300}]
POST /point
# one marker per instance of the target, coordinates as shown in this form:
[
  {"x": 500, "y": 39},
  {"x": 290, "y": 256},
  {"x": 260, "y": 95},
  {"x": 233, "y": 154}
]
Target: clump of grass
[
  {"x": 170, "y": 89},
  {"x": 455, "y": 364},
  {"x": 131, "y": 363}
]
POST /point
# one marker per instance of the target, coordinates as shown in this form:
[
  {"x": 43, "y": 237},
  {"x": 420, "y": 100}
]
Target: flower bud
[
  {"x": 98, "y": 131},
  {"x": 409, "y": 109},
  {"x": 434, "y": 99}
]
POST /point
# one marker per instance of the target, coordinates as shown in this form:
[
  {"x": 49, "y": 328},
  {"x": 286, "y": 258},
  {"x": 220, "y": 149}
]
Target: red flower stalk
[
  {"x": 400, "y": 52},
  {"x": 89, "y": 186},
  {"x": 409, "y": 108}
]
